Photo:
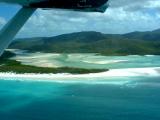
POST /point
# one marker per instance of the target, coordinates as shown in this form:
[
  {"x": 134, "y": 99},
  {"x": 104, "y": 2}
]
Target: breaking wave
[{"x": 114, "y": 76}]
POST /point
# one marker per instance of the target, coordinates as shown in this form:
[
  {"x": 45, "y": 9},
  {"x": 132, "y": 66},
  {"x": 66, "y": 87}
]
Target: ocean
[
  {"x": 138, "y": 99},
  {"x": 117, "y": 94}
]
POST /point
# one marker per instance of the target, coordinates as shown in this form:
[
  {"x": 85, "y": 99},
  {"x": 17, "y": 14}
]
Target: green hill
[
  {"x": 95, "y": 42},
  {"x": 147, "y": 36}
]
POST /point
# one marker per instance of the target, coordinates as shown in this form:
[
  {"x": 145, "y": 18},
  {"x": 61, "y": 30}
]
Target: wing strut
[{"x": 10, "y": 30}]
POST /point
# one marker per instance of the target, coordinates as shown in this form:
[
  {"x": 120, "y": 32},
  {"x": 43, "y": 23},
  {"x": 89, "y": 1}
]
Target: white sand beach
[{"x": 130, "y": 72}]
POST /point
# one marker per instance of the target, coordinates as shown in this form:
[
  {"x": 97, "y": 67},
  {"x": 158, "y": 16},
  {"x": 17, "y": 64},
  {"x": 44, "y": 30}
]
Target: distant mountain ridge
[
  {"x": 94, "y": 42},
  {"x": 149, "y": 35}
]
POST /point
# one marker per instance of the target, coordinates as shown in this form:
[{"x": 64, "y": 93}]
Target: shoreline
[{"x": 114, "y": 73}]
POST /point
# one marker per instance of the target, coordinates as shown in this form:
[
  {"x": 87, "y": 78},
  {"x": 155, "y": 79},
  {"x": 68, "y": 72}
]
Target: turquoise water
[
  {"x": 138, "y": 99},
  {"x": 87, "y": 60}
]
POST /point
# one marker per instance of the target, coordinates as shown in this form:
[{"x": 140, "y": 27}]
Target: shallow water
[
  {"x": 87, "y": 60},
  {"x": 138, "y": 99}
]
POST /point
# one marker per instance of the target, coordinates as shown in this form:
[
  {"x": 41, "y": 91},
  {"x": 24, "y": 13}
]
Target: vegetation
[
  {"x": 141, "y": 43},
  {"x": 6, "y": 55}
]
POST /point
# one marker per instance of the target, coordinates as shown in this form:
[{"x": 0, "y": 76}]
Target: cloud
[
  {"x": 121, "y": 17},
  {"x": 136, "y": 3}
]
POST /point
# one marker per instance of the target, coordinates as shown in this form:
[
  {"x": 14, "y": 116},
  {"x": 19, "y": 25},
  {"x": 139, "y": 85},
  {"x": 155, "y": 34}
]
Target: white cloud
[
  {"x": 121, "y": 17},
  {"x": 153, "y": 4}
]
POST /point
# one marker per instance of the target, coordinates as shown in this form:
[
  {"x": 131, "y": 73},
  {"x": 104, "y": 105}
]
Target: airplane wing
[{"x": 9, "y": 31}]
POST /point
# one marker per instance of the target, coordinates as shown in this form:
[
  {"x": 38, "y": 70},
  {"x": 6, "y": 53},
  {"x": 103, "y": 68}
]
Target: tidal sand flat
[
  {"x": 119, "y": 66},
  {"x": 86, "y": 60}
]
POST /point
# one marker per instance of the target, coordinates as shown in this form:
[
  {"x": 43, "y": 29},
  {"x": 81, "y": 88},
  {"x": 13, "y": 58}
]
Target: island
[{"x": 135, "y": 43}]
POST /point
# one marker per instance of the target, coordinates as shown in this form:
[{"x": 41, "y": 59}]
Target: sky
[{"x": 122, "y": 16}]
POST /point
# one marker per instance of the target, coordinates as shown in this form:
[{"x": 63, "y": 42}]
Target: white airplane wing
[{"x": 9, "y": 31}]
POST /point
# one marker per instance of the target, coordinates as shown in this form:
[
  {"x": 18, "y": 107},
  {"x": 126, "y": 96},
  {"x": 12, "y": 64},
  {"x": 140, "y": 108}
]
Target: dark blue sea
[{"x": 138, "y": 99}]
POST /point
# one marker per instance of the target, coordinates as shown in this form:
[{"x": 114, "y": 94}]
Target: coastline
[{"x": 114, "y": 73}]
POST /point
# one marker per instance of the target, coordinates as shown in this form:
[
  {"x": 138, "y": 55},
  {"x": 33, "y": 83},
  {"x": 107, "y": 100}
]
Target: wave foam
[{"x": 108, "y": 75}]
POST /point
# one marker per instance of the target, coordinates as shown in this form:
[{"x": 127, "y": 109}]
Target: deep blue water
[{"x": 136, "y": 100}]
